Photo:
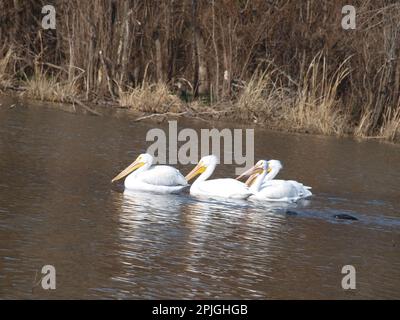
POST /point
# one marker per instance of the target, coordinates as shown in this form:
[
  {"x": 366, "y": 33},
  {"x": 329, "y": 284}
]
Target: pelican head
[
  {"x": 204, "y": 163},
  {"x": 274, "y": 165},
  {"x": 141, "y": 160},
  {"x": 260, "y": 167}
]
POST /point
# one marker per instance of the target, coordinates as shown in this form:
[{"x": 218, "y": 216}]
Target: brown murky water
[{"x": 57, "y": 207}]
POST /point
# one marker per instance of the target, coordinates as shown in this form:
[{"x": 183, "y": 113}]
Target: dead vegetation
[
  {"x": 49, "y": 88},
  {"x": 151, "y": 98},
  {"x": 286, "y": 64},
  {"x": 6, "y": 74},
  {"x": 312, "y": 105}
]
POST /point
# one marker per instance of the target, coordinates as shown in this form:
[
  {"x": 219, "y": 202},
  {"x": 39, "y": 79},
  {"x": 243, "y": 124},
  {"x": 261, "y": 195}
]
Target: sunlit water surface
[{"x": 57, "y": 207}]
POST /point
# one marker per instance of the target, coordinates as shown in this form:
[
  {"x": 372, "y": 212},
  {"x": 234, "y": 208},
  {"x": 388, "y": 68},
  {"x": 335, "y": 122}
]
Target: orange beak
[
  {"x": 198, "y": 169},
  {"x": 132, "y": 167}
]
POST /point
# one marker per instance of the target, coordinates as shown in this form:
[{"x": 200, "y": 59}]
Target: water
[{"x": 57, "y": 207}]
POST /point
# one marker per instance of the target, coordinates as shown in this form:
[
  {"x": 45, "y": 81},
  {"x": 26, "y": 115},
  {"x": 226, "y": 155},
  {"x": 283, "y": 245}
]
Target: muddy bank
[
  {"x": 220, "y": 114},
  {"x": 107, "y": 108}
]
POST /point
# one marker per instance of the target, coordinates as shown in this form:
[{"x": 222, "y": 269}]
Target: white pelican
[
  {"x": 221, "y": 188},
  {"x": 145, "y": 177},
  {"x": 263, "y": 186}
]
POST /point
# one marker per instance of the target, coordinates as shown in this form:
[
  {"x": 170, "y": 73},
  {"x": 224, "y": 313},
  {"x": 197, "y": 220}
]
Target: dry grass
[
  {"x": 390, "y": 129},
  {"x": 363, "y": 127},
  {"x": 155, "y": 98},
  {"x": 49, "y": 88},
  {"x": 317, "y": 107},
  {"x": 263, "y": 100},
  {"x": 314, "y": 107},
  {"x": 6, "y": 77}
]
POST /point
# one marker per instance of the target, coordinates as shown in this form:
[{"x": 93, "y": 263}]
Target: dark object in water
[
  {"x": 344, "y": 216},
  {"x": 291, "y": 213}
]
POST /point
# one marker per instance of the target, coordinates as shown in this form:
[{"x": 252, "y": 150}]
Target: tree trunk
[{"x": 203, "y": 87}]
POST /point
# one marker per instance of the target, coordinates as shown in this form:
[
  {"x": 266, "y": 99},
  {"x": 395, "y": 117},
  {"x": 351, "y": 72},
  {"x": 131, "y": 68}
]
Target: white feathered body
[
  {"x": 158, "y": 179},
  {"x": 282, "y": 190},
  {"x": 221, "y": 188}
]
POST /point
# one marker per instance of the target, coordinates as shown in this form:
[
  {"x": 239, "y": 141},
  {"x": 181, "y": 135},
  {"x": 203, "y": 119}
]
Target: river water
[{"x": 57, "y": 207}]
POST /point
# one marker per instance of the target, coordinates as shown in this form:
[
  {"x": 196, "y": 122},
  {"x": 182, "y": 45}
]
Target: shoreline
[{"x": 12, "y": 98}]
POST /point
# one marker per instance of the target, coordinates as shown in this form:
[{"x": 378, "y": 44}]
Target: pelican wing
[
  {"x": 282, "y": 190},
  {"x": 229, "y": 188},
  {"x": 303, "y": 191},
  {"x": 162, "y": 176}
]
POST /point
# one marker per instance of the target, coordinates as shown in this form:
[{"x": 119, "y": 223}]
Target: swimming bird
[
  {"x": 263, "y": 186},
  {"x": 220, "y": 188},
  {"x": 143, "y": 176}
]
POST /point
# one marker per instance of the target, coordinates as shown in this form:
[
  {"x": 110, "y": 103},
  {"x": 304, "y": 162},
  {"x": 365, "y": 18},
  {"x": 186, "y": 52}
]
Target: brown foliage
[{"x": 109, "y": 47}]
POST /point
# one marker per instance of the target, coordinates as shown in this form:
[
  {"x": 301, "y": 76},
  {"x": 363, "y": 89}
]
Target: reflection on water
[
  {"x": 194, "y": 247},
  {"x": 57, "y": 207}
]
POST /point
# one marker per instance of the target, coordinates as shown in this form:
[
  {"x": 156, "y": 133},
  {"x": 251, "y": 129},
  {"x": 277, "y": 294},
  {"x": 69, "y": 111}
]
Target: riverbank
[
  {"x": 287, "y": 66},
  {"x": 255, "y": 105}
]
